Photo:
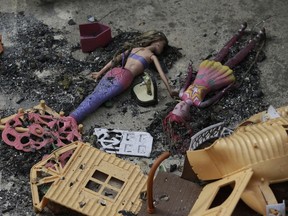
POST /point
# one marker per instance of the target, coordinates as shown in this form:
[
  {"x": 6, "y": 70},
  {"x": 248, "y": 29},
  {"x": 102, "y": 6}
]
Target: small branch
[
  {"x": 262, "y": 21},
  {"x": 254, "y": 62},
  {"x": 107, "y": 14}
]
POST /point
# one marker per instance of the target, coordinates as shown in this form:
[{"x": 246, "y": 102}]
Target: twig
[
  {"x": 253, "y": 63},
  {"x": 107, "y": 14},
  {"x": 262, "y": 21}
]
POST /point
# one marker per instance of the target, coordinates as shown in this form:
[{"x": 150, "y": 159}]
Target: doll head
[
  {"x": 176, "y": 124},
  {"x": 157, "y": 38},
  {"x": 179, "y": 115},
  {"x": 150, "y": 37},
  {"x": 182, "y": 110}
]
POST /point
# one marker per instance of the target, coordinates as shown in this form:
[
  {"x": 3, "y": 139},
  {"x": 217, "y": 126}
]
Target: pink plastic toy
[
  {"x": 94, "y": 35},
  {"x": 212, "y": 76}
]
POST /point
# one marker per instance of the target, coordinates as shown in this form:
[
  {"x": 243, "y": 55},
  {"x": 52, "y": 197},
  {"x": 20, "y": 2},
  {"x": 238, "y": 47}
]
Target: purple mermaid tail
[{"x": 112, "y": 84}]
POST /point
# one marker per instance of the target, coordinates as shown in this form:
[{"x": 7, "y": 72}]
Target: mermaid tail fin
[{"x": 213, "y": 75}]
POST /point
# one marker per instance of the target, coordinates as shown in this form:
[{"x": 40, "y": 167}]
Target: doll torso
[{"x": 211, "y": 76}]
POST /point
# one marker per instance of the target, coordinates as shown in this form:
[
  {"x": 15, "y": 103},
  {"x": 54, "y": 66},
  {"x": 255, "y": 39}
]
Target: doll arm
[
  {"x": 96, "y": 75},
  {"x": 188, "y": 81},
  {"x": 162, "y": 75},
  {"x": 216, "y": 97}
]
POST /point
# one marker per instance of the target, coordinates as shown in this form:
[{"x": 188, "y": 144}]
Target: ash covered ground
[{"x": 39, "y": 49}]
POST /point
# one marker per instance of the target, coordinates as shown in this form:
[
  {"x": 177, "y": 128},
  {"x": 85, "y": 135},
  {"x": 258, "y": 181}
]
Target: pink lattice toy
[{"x": 38, "y": 127}]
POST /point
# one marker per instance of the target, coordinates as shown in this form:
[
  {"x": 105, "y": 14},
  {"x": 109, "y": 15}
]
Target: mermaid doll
[
  {"x": 212, "y": 76},
  {"x": 135, "y": 59}
]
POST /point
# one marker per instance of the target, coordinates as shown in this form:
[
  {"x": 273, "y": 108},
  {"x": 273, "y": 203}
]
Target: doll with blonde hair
[{"x": 134, "y": 58}]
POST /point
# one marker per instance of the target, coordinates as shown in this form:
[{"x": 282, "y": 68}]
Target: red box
[{"x": 94, "y": 35}]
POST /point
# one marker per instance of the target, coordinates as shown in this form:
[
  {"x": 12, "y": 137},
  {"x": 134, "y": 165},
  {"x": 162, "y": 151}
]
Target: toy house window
[
  {"x": 104, "y": 184},
  {"x": 100, "y": 176}
]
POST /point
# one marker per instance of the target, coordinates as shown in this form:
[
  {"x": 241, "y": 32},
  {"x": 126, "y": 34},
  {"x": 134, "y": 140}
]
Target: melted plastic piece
[
  {"x": 38, "y": 127},
  {"x": 124, "y": 142}
]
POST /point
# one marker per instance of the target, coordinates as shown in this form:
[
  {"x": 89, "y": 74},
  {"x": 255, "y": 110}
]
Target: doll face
[
  {"x": 182, "y": 109},
  {"x": 158, "y": 46}
]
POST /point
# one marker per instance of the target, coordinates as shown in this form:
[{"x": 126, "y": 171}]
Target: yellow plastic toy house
[
  {"x": 91, "y": 182},
  {"x": 249, "y": 161}
]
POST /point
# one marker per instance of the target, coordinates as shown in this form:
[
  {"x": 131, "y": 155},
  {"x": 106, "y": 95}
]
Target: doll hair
[
  {"x": 143, "y": 40},
  {"x": 169, "y": 126},
  {"x": 146, "y": 39}
]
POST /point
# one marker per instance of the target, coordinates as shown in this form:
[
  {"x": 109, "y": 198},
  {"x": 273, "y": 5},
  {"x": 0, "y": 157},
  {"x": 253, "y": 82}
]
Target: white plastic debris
[
  {"x": 270, "y": 114},
  {"x": 124, "y": 142},
  {"x": 214, "y": 131},
  {"x": 91, "y": 18}
]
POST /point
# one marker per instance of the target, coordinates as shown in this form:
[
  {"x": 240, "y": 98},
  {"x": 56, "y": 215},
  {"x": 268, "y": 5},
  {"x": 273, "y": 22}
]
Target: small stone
[
  {"x": 173, "y": 167},
  {"x": 108, "y": 104},
  {"x": 103, "y": 202},
  {"x": 257, "y": 93},
  {"x": 179, "y": 74},
  {"x": 71, "y": 22},
  {"x": 261, "y": 57},
  {"x": 164, "y": 197},
  {"x": 58, "y": 37},
  {"x": 82, "y": 204},
  {"x": 20, "y": 100}
]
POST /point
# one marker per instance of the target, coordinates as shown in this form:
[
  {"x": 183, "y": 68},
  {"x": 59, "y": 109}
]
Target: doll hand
[
  {"x": 95, "y": 75},
  {"x": 174, "y": 93}
]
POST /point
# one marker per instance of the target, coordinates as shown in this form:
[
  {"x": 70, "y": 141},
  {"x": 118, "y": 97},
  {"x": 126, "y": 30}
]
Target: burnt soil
[{"x": 37, "y": 48}]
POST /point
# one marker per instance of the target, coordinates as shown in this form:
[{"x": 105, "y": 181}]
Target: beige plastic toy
[
  {"x": 96, "y": 183},
  {"x": 91, "y": 182},
  {"x": 266, "y": 115},
  {"x": 250, "y": 159},
  {"x": 41, "y": 108}
]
